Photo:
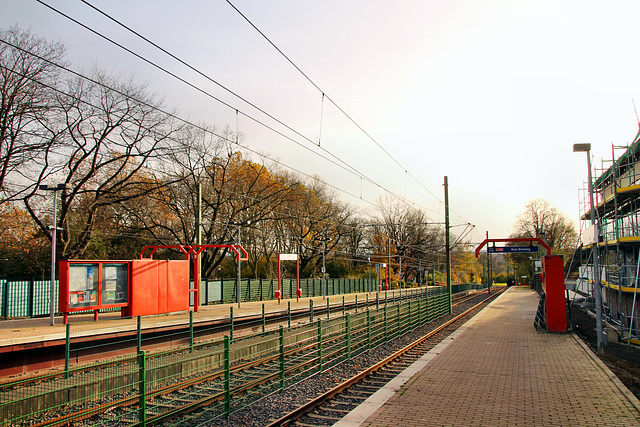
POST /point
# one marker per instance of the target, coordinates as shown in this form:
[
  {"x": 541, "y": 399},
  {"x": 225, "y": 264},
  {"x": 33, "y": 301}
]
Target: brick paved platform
[{"x": 497, "y": 370}]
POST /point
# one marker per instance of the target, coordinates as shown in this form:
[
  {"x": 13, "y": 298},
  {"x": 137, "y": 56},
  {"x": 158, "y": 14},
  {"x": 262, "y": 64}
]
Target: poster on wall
[{"x": 83, "y": 285}]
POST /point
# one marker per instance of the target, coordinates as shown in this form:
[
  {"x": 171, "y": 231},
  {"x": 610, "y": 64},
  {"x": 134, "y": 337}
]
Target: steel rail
[
  {"x": 212, "y": 376},
  {"x": 311, "y": 405}
]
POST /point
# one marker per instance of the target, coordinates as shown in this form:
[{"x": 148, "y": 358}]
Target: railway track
[
  {"x": 332, "y": 406},
  {"x": 204, "y": 397}
]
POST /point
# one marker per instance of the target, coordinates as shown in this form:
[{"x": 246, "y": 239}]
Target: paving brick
[{"x": 500, "y": 371}]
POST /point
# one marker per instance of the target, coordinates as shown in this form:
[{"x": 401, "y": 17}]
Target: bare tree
[
  {"x": 112, "y": 131},
  {"x": 541, "y": 219},
  {"x": 316, "y": 216},
  {"x": 405, "y": 234},
  {"x": 28, "y": 78}
]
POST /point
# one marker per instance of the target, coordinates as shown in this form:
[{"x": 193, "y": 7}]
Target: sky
[{"x": 492, "y": 94}]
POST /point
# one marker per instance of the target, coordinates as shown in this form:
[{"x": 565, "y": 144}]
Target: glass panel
[
  {"x": 114, "y": 283},
  {"x": 83, "y": 285}
]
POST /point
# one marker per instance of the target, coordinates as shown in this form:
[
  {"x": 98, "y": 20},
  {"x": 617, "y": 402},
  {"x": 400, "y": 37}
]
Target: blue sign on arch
[{"x": 512, "y": 249}]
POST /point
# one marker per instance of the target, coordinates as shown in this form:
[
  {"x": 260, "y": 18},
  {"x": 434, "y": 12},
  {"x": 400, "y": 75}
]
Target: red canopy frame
[
  {"x": 516, "y": 239},
  {"x": 288, "y": 257},
  {"x": 196, "y": 250}
]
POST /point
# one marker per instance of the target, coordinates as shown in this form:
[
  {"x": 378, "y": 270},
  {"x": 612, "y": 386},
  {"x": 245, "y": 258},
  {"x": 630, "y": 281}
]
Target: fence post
[
  {"x": 386, "y": 336},
  {"x": 368, "y": 329},
  {"x": 399, "y": 322},
  {"x": 264, "y": 320},
  {"x": 261, "y": 289},
  {"x": 190, "y": 331},
  {"x": 289, "y": 314},
  {"x": 348, "y": 333},
  {"x": 328, "y": 307},
  {"x": 67, "y": 350},
  {"x": 231, "y": 323},
  {"x": 310, "y": 311},
  {"x": 281, "y": 358},
  {"x": 227, "y": 377},
  {"x": 30, "y": 297},
  {"x": 319, "y": 345},
  {"x": 142, "y": 389},
  {"x": 5, "y": 298},
  {"x": 139, "y": 334}
]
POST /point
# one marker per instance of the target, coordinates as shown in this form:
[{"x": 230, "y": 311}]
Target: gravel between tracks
[{"x": 274, "y": 406}]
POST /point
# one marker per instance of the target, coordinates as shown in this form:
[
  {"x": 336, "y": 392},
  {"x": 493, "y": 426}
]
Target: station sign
[{"x": 512, "y": 249}]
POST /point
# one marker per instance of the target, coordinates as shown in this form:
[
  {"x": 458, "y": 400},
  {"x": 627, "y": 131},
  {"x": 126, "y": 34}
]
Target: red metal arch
[
  {"x": 516, "y": 239},
  {"x": 196, "y": 250}
]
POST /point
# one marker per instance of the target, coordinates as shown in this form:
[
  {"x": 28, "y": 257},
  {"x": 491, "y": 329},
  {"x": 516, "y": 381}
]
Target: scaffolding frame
[{"x": 617, "y": 233}]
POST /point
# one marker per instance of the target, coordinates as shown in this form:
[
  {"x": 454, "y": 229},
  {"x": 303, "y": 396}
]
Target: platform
[
  {"x": 497, "y": 370},
  {"x": 25, "y": 333}
]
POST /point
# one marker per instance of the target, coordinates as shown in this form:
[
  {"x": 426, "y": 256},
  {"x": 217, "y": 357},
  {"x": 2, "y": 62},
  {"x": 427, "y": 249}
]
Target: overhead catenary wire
[
  {"x": 347, "y": 167},
  {"x": 253, "y": 105},
  {"x": 332, "y": 186},
  {"x": 367, "y": 134},
  {"x": 58, "y": 90},
  {"x": 172, "y": 115}
]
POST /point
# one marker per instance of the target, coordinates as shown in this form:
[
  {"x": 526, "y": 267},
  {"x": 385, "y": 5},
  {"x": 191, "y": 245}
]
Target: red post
[
  {"x": 388, "y": 276},
  {"x": 278, "y": 292},
  {"x": 553, "y": 286}
]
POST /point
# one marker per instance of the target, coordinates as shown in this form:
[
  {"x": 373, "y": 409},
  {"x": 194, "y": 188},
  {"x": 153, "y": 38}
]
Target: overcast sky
[{"x": 492, "y": 94}]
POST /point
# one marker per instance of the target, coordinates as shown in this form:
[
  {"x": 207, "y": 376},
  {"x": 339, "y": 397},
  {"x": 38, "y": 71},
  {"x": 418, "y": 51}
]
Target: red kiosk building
[{"x": 138, "y": 287}]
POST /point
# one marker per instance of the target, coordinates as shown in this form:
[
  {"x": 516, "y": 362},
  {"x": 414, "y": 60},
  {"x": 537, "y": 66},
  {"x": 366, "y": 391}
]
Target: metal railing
[
  {"x": 233, "y": 371},
  {"x": 31, "y": 298}
]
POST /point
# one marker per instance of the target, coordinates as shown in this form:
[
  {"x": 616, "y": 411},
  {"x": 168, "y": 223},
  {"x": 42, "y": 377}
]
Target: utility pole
[
  {"x": 488, "y": 268},
  {"x": 389, "y": 263},
  {"x": 447, "y": 238},
  {"x": 199, "y": 242}
]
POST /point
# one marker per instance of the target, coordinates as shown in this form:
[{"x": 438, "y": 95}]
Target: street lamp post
[
  {"x": 596, "y": 268},
  {"x": 54, "y": 228},
  {"x": 324, "y": 282},
  {"x": 238, "y": 287}
]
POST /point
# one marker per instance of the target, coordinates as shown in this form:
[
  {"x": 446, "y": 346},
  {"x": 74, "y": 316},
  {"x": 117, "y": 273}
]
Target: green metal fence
[
  {"x": 148, "y": 384},
  {"x": 225, "y": 291},
  {"x": 31, "y": 298},
  {"x": 26, "y": 298}
]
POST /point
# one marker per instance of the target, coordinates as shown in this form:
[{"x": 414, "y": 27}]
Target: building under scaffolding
[{"x": 616, "y": 190}]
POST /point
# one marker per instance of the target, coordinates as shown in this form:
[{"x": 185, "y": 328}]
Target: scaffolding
[{"x": 616, "y": 190}]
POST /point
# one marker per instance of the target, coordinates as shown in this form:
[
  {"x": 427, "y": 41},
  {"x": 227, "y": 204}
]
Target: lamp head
[{"x": 586, "y": 147}]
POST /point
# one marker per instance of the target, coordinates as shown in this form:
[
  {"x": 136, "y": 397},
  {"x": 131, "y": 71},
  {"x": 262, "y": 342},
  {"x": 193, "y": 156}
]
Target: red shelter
[
  {"x": 138, "y": 287},
  {"x": 555, "y": 303}
]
